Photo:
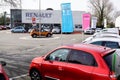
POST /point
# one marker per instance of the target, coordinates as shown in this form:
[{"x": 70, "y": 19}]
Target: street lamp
[{"x": 39, "y": 15}]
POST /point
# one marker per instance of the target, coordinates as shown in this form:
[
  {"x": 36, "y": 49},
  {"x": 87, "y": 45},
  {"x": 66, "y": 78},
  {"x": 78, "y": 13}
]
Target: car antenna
[{"x": 104, "y": 47}]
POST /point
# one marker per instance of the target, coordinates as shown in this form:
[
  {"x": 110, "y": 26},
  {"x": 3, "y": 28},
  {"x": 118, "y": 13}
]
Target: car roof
[
  {"x": 90, "y": 48},
  {"x": 113, "y": 39},
  {"x": 107, "y": 35}
]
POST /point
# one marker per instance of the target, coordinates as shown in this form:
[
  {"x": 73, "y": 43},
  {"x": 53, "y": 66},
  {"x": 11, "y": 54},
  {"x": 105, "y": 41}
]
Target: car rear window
[
  {"x": 110, "y": 60},
  {"x": 81, "y": 57}
]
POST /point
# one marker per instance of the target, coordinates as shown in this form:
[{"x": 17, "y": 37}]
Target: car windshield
[{"x": 110, "y": 60}]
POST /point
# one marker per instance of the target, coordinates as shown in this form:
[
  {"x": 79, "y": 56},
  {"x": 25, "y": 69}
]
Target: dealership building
[{"x": 49, "y": 18}]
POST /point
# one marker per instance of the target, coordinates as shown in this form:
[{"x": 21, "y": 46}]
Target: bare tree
[
  {"x": 13, "y": 3},
  {"x": 116, "y": 14},
  {"x": 101, "y": 9}
]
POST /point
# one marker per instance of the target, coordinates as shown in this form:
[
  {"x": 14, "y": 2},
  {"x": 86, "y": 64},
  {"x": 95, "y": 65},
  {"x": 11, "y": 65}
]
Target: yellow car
[{"x": 37, "y": 33}]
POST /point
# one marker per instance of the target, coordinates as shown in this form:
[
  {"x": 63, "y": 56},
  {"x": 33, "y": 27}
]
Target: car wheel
[
  {"x": 34, "y": 35},
  {"x": 118, "y": 77},
  {"x": 23, "y": 31},
  {"x": 35, "y": 75},
  {"x": 49, "y": 35}
]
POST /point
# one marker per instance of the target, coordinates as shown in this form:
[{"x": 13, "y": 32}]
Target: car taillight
[{"x": 113, "y": 76}]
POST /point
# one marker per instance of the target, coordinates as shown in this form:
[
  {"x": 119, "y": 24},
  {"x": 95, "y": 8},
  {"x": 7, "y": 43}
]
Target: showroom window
[
  {"x": 81, "y": 57},
  {"x": 59, "y": 55}
]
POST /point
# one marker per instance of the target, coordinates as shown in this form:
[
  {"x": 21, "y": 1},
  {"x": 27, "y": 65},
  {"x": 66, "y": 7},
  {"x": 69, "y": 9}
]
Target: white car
[
  {"x": 111, "y": 30},
  {"x": 102, "y": 34},
  {"x": 89, "y": 31},
  {"x": 56, "y": 30},
  {"x": 111, "y": 42},
  {"x": 98, "y": 29}
]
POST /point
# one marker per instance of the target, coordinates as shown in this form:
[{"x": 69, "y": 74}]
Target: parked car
[
  {"x": 89, "y": 31},
  {"x": 98, "y": 29},
  {"x": 111, "y": 30},
  {"x": 33, "y": 27},
  {"x": 102, "y": 34},
  {"x": 3, "y": 75},
  {"x": 18, "y": 29},
  {"x": 111, "y": 42},
  {"x": 2, "y": 27},
  {"x": 75, "y": 62},
  {"x": 36, "y": 33},
  {"x": 56, "y": 30}
]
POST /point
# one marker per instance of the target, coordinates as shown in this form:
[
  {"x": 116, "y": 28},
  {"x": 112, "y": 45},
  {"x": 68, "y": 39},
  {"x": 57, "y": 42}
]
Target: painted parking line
[
  {"x": 30, "y": 38},
  {"x": 17, "y": 77}
]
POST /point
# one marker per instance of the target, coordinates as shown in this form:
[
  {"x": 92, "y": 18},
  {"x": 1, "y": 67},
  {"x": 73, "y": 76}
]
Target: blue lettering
[{"x": 42, "y": 15}]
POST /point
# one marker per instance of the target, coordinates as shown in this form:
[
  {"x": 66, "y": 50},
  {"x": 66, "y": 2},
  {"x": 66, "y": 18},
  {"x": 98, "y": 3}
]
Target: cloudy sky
[
  {"x": 55, "y": 4},
  {"x": 81, "y": 5}
]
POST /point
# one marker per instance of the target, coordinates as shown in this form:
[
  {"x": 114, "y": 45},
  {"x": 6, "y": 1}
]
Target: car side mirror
[{"x": 3, "y": 63}]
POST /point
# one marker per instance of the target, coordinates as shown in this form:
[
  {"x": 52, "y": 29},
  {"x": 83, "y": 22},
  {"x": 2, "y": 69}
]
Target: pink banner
[{"x": 86, "y": 21}]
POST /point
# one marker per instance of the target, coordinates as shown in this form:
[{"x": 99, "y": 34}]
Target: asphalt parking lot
[{"x": 18, "y": 49}]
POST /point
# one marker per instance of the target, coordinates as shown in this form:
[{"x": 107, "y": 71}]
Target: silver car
[
  {"x": 111, "y": 42},
  {"x": 89, "y": 31},
  {"x": 56, "y": 30},
  {"x": 18, "y": 29}
]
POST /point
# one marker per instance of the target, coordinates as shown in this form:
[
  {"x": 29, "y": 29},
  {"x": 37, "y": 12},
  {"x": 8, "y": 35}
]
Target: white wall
[{"x": 49, "y": 17}]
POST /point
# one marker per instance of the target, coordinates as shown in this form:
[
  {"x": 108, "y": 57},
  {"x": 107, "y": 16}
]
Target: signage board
[
  {"x": 86, "y": 21},
  {"x": 67, "y": 20}
]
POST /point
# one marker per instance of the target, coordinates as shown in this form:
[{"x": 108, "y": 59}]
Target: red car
[
  {"x": 3, "y": 75},
  {"x": 75, "y": 62}
]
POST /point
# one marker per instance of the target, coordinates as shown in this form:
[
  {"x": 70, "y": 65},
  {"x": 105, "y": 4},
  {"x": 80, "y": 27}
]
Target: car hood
[{"x": 38, "y": 59}]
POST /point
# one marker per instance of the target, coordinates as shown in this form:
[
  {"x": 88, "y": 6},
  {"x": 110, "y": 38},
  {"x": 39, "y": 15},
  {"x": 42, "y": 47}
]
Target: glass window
[
  {"x": 59, "y": 55},
  {"x": 97, "y": 43},
  {"x": 80, "y": 57},
  {"x": 109, "y": 59},
  {"x": 112, "y": 44}
]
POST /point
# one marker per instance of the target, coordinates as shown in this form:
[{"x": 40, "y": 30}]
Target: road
[{"x": 18, "y": 49}]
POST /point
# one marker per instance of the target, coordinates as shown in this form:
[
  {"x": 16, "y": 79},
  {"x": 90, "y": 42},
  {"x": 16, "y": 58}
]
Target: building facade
[{"x": 43, "y": 17}]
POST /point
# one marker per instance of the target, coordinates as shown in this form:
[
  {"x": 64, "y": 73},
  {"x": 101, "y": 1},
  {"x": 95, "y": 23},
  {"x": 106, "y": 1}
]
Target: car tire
[
  {"x": 34, "y": 35},
  {"x": 23, "y": 31},
  {"x": 12, "y": 31},
  {"x": 35, "y": 75},
  {"x": 118, "y": 77},
  {"x": 49, "y": 35}
]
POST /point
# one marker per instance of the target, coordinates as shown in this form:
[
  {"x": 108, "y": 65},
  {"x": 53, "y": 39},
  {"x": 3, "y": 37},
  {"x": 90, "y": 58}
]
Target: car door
[
  {"x": 17, "y": 29},
  {"x": 51, "y": 67},
  {"x": 79, "y": 67}
]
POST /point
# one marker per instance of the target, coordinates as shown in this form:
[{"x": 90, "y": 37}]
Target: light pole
[
  {"x": 20, "y": 4},
  {"x": 39, "y": 15}
]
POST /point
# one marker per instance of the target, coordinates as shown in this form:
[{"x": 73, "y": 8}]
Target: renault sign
[{"x": 41, "y": 16}]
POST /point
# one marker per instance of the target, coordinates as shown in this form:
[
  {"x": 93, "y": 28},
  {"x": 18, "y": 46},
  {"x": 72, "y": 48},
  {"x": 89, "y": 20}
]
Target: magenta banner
[{"x": 86, "y": 21}]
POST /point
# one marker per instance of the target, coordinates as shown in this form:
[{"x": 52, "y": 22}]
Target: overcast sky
[
  {"x": 55, "y": 4},
  {"x": 80, "y": 5}
]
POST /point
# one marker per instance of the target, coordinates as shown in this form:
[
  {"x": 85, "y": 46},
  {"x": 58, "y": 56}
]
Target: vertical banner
[
  {"x": 105, "y": 23},
  {"x": 67, "y": 20},
  {"x": 93, "y": 22},
  {"x": 86, "y": 21}
]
